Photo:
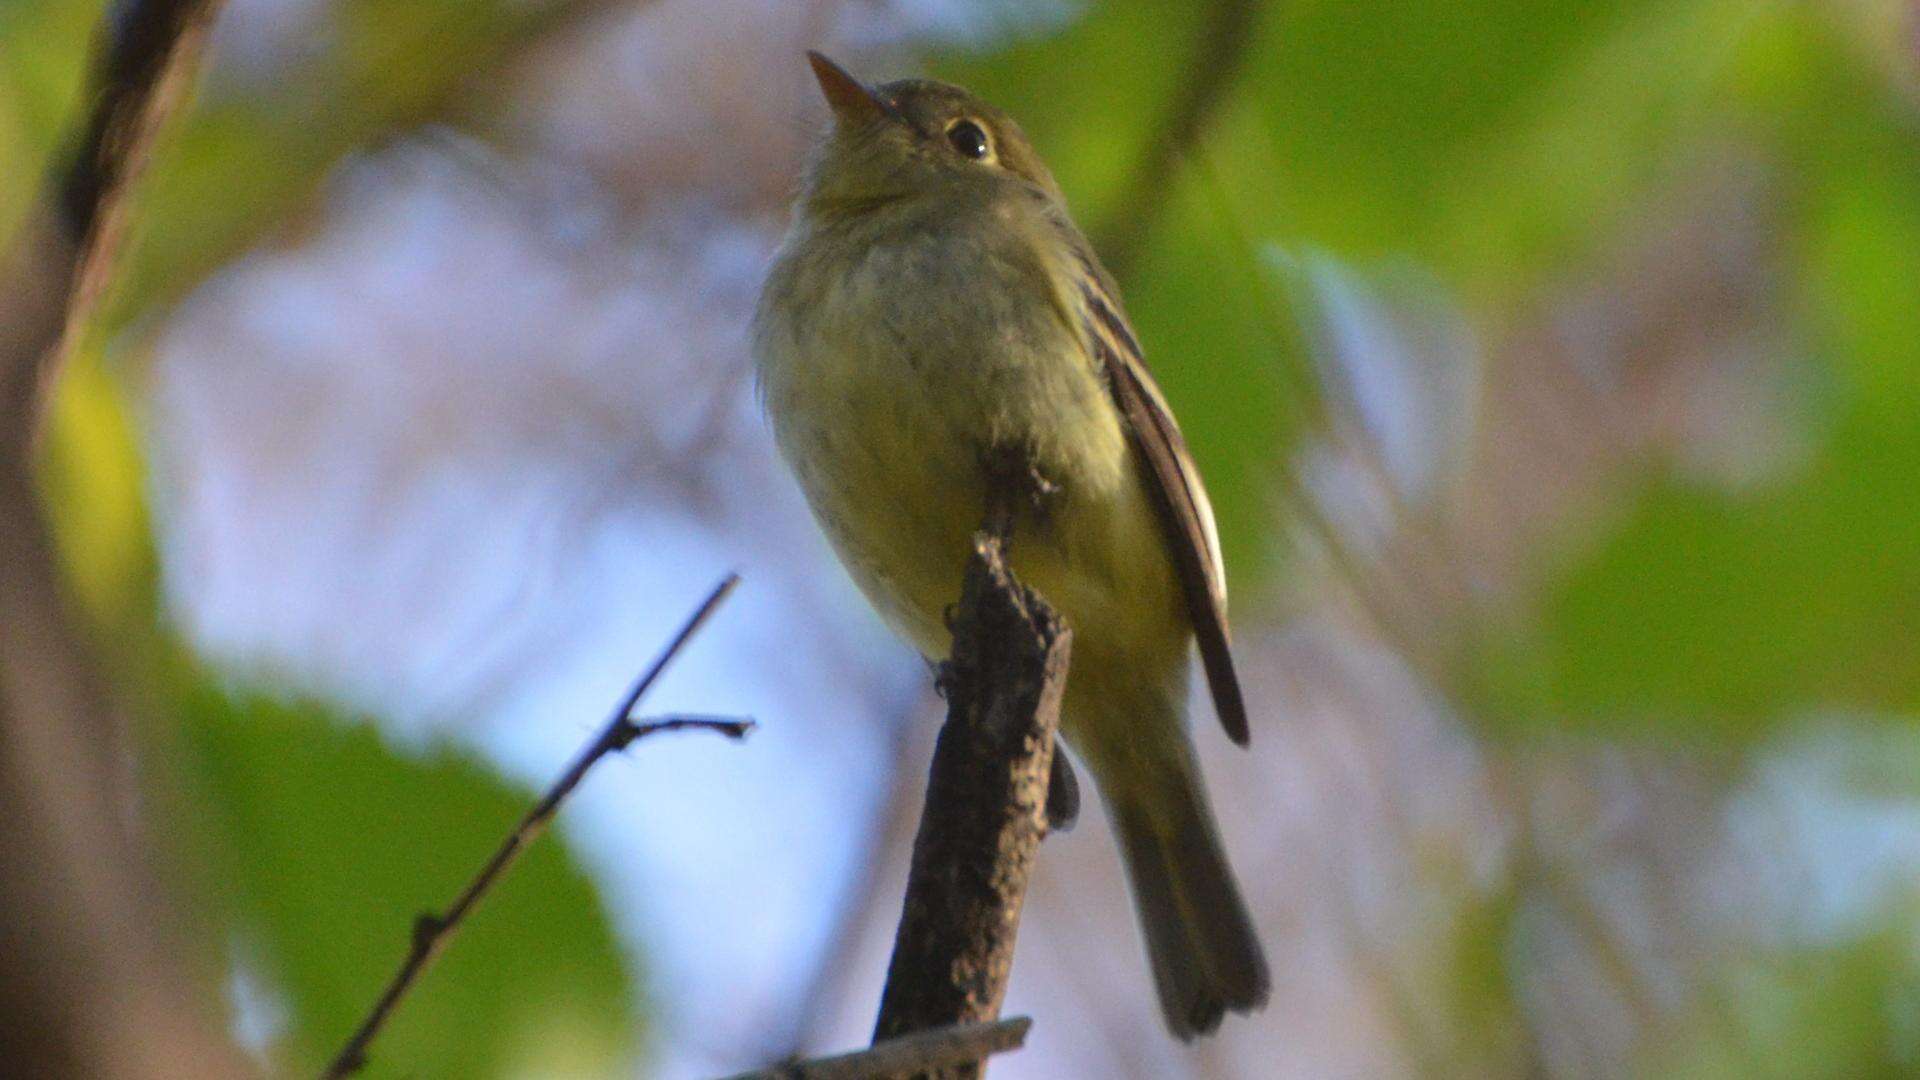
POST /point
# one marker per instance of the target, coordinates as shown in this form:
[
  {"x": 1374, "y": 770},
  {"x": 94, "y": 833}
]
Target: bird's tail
[{"x": 1200, "y": 940}]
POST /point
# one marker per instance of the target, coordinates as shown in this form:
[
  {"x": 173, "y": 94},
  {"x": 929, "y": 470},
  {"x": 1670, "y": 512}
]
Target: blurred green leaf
[
  {"x": 94, "y": 483},
  {"x": 1484, "y": 1020},
  {"x": 1707, "y": 614},
  {"x": 43, "y": 47},
  {"x": 1816, "y": 1014},
  {"x": 324, "y": 844},
  {"x": 1371, "y": 106}
]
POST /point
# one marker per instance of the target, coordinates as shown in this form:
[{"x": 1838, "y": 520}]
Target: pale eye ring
[{"x": 969, "y": 139}]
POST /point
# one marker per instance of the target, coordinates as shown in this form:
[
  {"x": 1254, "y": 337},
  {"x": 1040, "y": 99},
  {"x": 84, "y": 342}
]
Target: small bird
[{"x": 934, "y": 314}]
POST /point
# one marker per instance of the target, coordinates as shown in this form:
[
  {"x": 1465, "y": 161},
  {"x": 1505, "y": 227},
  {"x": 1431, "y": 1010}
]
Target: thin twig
[
  {"x": 913, "y": 1054},
  {"x": 1224, "y": 43},
  {"x": 733, "y": 727},
  {"x": 431, "y": 932}
]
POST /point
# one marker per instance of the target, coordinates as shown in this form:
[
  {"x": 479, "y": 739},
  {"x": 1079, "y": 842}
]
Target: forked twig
[{"x": 432, "y": 931}]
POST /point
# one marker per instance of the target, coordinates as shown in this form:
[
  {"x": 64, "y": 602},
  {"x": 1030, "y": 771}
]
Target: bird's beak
[{"x": 849, "y": 98}]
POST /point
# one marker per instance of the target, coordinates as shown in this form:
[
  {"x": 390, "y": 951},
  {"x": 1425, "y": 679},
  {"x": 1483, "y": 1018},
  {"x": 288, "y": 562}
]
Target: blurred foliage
[
  {"x": 1498, "y": 142},
  {"x": 1706, "y": 614},
  {"x": 41, "y": 46},
  {"x": 1482, "y": 1031},
  {"x": 95, "y": 477},
  {"x": 1841, "y": 1013}
]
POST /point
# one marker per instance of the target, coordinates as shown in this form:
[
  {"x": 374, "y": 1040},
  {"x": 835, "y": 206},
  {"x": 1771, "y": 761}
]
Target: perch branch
[
  {"x": 985, "y": 809},
  {"x": 431, "y": 932},
  {"x": 917, "y": 1054}
]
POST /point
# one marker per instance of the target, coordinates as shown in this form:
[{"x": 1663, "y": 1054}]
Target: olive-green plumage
[{"x": 934, "y": 310}]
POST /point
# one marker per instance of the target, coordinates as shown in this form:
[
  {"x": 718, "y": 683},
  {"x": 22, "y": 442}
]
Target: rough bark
[
  {"x": 907, "y": 1055},
  {"x": 985, "y": 811}
]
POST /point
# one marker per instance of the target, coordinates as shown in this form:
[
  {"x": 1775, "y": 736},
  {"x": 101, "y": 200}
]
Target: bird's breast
[{"x": 892, "y": 371}]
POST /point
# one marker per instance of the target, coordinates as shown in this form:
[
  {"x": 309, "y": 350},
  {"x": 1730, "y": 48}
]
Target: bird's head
[{"x": 914, "y": 138}]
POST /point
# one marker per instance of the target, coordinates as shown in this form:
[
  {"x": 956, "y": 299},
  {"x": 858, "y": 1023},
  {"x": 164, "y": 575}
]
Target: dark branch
[
  {"x": 431, "y": 932},
  {"x": 143, "y": 64},
  {"x": 1217, "y": 60},
  {"x": 146, "y": 65},
  {"x": 136, "y": 53},
  {"x": 94, "y": 984},
  {"x": 985, "y": 808},
  {"x": 920, "y": 1053}
]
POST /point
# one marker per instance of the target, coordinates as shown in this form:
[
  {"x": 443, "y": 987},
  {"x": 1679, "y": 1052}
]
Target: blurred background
[{"x": 1554, "y": 367}]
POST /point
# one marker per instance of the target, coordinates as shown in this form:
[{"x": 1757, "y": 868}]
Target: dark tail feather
[{"x": 1206, "y": 957}]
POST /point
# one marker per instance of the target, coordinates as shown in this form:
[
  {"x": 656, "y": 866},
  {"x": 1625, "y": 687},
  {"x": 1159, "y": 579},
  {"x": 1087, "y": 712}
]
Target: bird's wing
[{"x": 1186, "y": 516}]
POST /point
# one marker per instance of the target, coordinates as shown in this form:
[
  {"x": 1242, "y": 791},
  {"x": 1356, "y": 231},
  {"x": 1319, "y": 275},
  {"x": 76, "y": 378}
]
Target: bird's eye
[{"x": 969, "y": 140}]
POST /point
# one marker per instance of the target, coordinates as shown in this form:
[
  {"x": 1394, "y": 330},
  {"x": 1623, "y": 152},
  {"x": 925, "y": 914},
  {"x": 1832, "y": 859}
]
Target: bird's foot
[{"x": 1063, "y": 794}]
